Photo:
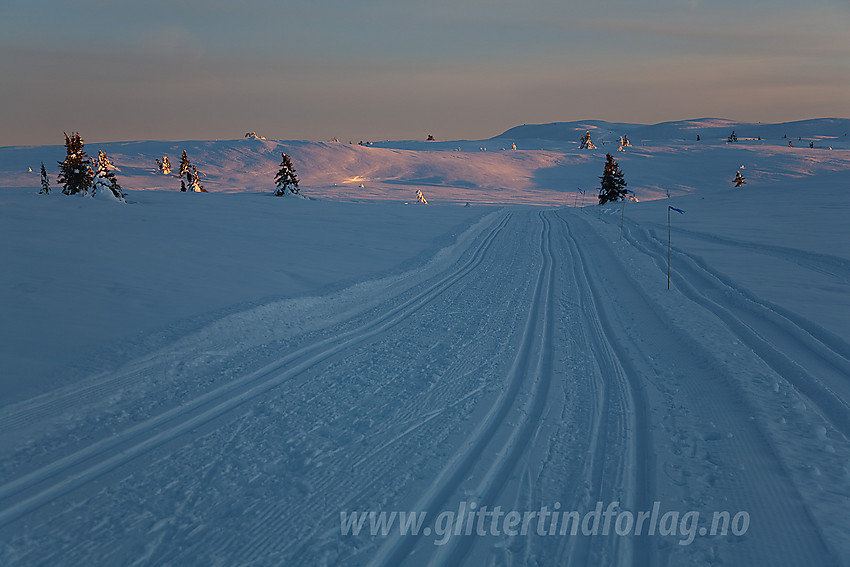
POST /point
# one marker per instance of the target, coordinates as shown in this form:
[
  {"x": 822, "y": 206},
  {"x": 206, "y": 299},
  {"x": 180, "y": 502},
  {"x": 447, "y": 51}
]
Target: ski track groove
[
  {"x": 51, "y": 404},
  {"x": 114, "y": 451}
]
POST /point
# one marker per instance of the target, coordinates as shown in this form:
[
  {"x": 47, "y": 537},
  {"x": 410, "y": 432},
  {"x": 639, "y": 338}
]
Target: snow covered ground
[{"x": 230, "y": 378}]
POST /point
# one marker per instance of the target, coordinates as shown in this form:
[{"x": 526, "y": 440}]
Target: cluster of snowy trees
[
  {"x": 586, "y": 142},
  {"x": 80, "y": 175},
  {"x": 164, "y": 166},
  {"x": 190, "y": 177},
  {"x": 191, "y": 174},
  {"x": 613, "y": 183},
  {"x": 286, "y": 182}
]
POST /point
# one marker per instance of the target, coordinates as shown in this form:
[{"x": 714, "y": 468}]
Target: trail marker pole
[
  {"x": 623, "y": 213},
  {"x": 681, "y": 212},
  {"x": 579, "y": 191},
  {"x": 622, "y": 218}
]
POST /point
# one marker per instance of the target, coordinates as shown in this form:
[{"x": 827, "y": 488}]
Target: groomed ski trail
[
  {"x": 530, "y": 368},
  {"x": 137, "y": 440}
]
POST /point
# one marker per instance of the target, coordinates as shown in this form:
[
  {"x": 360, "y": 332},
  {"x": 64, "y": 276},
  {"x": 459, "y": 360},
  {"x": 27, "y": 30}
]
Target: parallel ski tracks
[
  {"x": 39, "y": 487},
  {"x": 820, "y": 365},
  {"x": 708, "y": 389},
  {"x": 534, "y": 363},
  {"x": 620, "y": 386},
  {"x": 531, "y": 367},
  {"x": 619, "y": 454},
  {"x": 834, "y": 266}
]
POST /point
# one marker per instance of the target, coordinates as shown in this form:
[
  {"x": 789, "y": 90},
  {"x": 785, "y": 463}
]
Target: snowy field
[{"x": 231, "y": 378}]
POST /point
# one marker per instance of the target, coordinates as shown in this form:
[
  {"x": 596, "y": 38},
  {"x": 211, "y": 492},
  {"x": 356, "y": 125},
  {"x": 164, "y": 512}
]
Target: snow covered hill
[
  {"x": 233, "y": 378},
  {"x": 546, "y": 169},
  {"x": 709, "y": 129}
]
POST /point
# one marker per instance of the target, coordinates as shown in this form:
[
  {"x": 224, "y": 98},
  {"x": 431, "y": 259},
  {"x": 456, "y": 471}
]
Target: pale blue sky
[{"x": 381, "y": 69}]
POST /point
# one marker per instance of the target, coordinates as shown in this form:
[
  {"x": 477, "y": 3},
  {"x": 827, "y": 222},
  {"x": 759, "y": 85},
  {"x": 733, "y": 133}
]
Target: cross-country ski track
[{"x": 537, "y": 363}]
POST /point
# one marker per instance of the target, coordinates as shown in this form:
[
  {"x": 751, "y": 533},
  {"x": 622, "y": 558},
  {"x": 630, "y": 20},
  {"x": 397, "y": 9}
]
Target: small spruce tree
[
  {"x": 194, "y": 179},
  {"x": 75, "y": 173},
  {"x": 733, "y": 137},
  {"x": 739, "y": 179},
  {"x": 45, "y": 182},
  {"x": 286, "y": 180},
  {"x": 104, "y": 178},
  {"x": 185, "y": 171},
  {"x": 613, "y": 186}
]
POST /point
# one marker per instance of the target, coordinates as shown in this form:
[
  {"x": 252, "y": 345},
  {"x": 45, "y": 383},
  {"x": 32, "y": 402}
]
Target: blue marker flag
[{"x": 675, "y": 209}]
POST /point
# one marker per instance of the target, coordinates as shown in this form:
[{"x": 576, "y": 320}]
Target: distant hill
[{"x": 706, "y": 128}]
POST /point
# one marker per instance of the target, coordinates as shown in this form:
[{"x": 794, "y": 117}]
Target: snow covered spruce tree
[
  {"x": 286, "y": 180},
  {"x": 739, "y": 179},
  {"x": 194, "y": 179},
  {"x": 190, "y": 177},
  {"x": 613, "y": 186},
  {"x": 185, "y": 170},
  {"x": 45, "y": 182},
  {"x": 75, "y": 173},
  {"x": 104, "y": 178},
  {"x": 732, "y": 138}
]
